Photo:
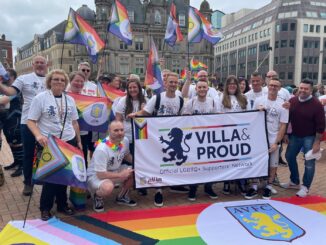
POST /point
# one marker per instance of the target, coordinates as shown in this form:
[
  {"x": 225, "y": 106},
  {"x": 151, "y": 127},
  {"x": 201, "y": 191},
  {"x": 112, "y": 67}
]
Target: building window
[
  {"x": 276, "y": 44},
  {"x": 311, "y": 28},
  {"x": 277, "y": 28},
  {"x": 282, "y": 59},
  {"x": 103, "y": 14},
  {"x": 324, "y": 29},
  {"x": 290, "y": 75},
  {"x": 123, "y": 45},
  {"x": 323, "y": 15},
  {"x": 292, "y": 27},
  {"x": 124, "y": 65},
  {"x": 4, "y": 53},
  {"x": 275, "y": 60},
  {"x": 139, "y": 43},
  {"x": 182, "y": 19},
  {"x": 157, "y": 17},
  {"x": 131, "y": 15},
  {"x": 311, "y": 14},
  {"x": 69, "y": 53},
  {"x": 292, "y": 44},
  {"x": 318, "y": 28},
  {"x": 284, "y": 43},
  {"x": 291, "y": 59},
  {"x": 282, "y": 75},
  {"x": 305, "y": 27},
  {"x": 139, "y": 64},
  {"x": 70, "y": 68},
  {"x": 284, "y": 27}
]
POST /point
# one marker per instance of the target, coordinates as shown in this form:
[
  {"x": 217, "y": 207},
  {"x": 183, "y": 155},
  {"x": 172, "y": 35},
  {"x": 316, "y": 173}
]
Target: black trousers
[
  {"x": 88, "y": 145},
  {"x": 54, "y": 191}
]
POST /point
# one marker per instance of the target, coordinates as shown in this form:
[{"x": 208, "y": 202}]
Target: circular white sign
[
  {"x": 96, "y": 114},
  {"x": 78, "y": 167},
  {"x": 244, "y": 222}
]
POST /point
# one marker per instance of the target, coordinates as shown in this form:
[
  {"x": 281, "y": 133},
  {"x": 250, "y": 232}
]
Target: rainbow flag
[
  {"x": 119, "y": 24},
  {"x": 199, "y": 27},
  {"x": 73, "y": 170},
  {"x": 153, "y": 77},
  {"x": 196, "y": 76},
  {"x": 196, "y": 65},
  {"x": 173, "y": 33},
  {"x": 78, "y": 31},
  {"x": 93, "y": 112},
  {"x": 112, "y": 93},
  {"x": 141, "y": 129},
  {"x": 183, "y": 74}
]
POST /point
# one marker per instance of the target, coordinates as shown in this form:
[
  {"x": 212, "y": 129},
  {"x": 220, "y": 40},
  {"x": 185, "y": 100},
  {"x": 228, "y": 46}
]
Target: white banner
[{"x": 198, "y": 149}]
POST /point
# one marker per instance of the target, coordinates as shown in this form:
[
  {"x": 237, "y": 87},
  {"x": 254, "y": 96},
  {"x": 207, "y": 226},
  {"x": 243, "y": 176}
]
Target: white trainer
[
  {"x": 290, "y": 185},
  {"x": 303, "y": 192},
  {"x": 274, "y": 191}
]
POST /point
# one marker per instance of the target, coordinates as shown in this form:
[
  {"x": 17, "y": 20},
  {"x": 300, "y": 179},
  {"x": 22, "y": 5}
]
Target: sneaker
[
  {"x": 18, "y": 172},
  {"x": 125, "y": 200},
  {"x": 28, "y": 189},
  {"x": 179, "y": 189},
  {"x": 290, "y": 185},
  {"x": 98, "y": 204},
  {"x": 11, "y": 166},
  {"x": 274, "y": 191},
  {"x": 158, "y": 199},
  {"x": 66, "y": 210},
  {"x": 45, "y": 215},
  {"x": 192, "y": 194},
  {"x": 267, "y": 193},
  {"x": 303, "y": 192},
  {"x": 252, "y": 193},
  {"x": 209, "y": 191},
  {"x": 226, "y": 189}
]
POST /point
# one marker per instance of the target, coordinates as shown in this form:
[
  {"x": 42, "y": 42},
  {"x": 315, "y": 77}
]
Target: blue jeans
[
  {"x": 293, "y": 149},
  {"x": 29, "y": 148}
]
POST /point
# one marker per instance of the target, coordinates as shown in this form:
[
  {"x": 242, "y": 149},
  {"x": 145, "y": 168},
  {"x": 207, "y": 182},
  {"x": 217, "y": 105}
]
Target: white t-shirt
[
  {"x": 29, "y": 85},
  {"x": 252, "y": 96},
  {"x": 4, "y": 106},
  {"x": 282, "y": 94},
  {"x": 276, "y": 114},
  {"x": 195, "y": 107},
  {"x": 121, "y": 108},
  {"x": 105, "y": 159},
  {"x": 321, "y": 98},
  {"x": 235, "y": 107},
  {"x": 212, "y": 92},
  {"x": 168, "y": 106},
  {"x": 45, "y": 111},
  {"x": 90, "y": 89}
]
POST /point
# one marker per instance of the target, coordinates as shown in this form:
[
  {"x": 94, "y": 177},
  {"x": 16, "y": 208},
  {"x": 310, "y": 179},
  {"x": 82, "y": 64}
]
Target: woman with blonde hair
[{"x": 54, "y": 112}]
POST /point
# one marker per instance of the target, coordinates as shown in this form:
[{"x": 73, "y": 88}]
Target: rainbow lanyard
[{"x": 112, "y": 146}]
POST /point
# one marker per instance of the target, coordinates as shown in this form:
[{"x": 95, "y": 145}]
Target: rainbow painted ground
[{"x": 170, "y": 225}]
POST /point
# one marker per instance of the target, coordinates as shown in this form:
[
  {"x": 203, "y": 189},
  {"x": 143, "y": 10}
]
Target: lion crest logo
[
  {"x": 174, "y": 146},
  {"x": 265, "y": 222}
]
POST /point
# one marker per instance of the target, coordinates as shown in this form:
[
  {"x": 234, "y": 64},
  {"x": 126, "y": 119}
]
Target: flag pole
[
  {"x": 63, "y": 41},
  {"x": 28, "y": 204}
]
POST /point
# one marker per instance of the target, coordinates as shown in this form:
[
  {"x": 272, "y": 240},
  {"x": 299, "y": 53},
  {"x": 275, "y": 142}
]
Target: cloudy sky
[{"x": 20, "y": 20}]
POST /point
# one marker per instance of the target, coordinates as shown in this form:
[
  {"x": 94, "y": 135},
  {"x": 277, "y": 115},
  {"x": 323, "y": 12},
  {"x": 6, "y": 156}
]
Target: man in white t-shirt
[
  {"x": 277, "y": 119},
  {"x": 29, "y": 85},
  {"x": 169, "y": 104},
  {"x": 90, "y": 88},
  {"x": 106, "y": 168},
  {"x": 283, "y": 93},
  {"x": 199, "y": 105},
  {"x": 256, "y": 91},
  {"x": 189, "y": 90}
]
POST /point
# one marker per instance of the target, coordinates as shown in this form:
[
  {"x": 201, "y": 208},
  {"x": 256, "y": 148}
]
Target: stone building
[
  {"x": 287, "y": 36},
  {"x": 6, "y": 52}
]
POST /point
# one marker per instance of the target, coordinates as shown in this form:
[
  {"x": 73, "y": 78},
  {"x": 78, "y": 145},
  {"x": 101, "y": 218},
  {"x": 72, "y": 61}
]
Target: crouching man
[{"x": 106, "y": 168}]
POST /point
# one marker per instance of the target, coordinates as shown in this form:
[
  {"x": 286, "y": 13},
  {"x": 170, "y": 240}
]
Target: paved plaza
[{"x": 13, "y": 204}]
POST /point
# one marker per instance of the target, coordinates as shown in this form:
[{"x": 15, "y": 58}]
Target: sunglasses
[{"x": 86, "y": 70}]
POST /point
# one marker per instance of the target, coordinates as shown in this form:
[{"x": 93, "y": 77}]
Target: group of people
[{"x": 48, "y": 109}]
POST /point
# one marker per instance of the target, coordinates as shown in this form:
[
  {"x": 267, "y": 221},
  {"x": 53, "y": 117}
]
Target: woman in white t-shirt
[
  {"x": 134, "y": 101},
  {"x": 53, "y": 112},
  {"x": 232, "y": 100}
]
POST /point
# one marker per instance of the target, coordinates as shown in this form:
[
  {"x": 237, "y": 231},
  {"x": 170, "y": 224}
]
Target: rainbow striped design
[
  {"x": 78, "y": 31},
  {"x": 199, "y": 27},
  {"x": 93, "y": 112},
  {"x": 183, "y": 74},
  {"x": 71, "y": 173},
  {"x": 112, "y": 93},
  {"x": 140, "y": 129},
  {"x": 119, "y": 24},
  {"x": 173, "y": 33},
  {"x": 196, "y": 65},
  {"x": 153, "y": 78}
]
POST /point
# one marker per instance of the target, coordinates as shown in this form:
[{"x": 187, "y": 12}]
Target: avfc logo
[
  {"x": 265, "y": 222},
  {"x": 97, "y": 110},
  {"x": 174, "y": 146}
]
